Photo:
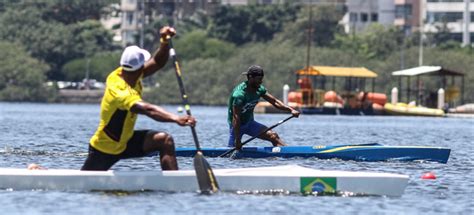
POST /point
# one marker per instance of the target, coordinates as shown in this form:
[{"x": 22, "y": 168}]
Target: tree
[
  {"x": 376, "y": 42},
  {"x": 198, "y": 21},
  {"x": 442, "y": 34},
  {"x": 21, "y": 76},
  {"x": 46, "y": 41},
  {"x": 197, "y": 44},
  {"x": 244, "y": 24},
  {"x": 323, "y": 26},
  {"x": 53, "y": 42},
  {"x": 98, "y": 66},
  {"x": 66, "y": 12},
  {"x": 90, "y": 38}
]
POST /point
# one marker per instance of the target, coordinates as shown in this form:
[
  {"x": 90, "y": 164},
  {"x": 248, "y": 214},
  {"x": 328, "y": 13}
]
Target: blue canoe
[{"x": 362, "y": 152}]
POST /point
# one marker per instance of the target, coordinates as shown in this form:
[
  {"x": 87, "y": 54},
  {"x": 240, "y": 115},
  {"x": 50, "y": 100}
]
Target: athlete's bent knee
[
  {"x": 169, "y": 142},
  {"x": 165, "y": 140},
  {"x": 273, "y": 135}
]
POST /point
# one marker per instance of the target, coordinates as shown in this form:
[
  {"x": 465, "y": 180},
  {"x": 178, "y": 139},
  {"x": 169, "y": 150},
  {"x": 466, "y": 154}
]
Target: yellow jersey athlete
[{"x": 115, "y": 137}]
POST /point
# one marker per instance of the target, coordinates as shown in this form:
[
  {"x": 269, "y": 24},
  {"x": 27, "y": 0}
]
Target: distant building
[
  {"x": 136, "y": 13},
  {"x": 452, "y": 14},
  {"x": 113, "y": 21},
  {"x": 235, "y": 2},
  {"x": 131, "y": 16},
  {"x": 362, "y": 13},
  {"x": 247, "y": 2},
  {"x": 409, "y": 14}
]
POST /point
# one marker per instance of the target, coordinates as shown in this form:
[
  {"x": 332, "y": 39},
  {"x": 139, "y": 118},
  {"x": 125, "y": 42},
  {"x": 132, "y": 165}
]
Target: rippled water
[{"x": 56, "y": 136}]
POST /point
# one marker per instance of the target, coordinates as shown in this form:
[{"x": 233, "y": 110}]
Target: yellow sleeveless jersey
[{"x": 117, "y": 122}]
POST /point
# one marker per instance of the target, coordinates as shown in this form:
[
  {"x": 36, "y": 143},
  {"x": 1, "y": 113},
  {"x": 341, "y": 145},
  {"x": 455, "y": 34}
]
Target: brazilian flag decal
[{"x": 310, "y": 185}]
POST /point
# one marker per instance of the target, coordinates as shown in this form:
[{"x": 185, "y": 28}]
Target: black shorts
[{"x": 97, "y": 160}]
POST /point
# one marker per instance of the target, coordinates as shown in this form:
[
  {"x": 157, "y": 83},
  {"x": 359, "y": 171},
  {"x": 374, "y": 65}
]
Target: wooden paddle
[
  {"x": 263, "y": 132},
  {"x": 206, "y": 179}
]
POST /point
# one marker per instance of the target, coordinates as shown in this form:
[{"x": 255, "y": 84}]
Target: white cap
[{"x": 133, "y": 58}]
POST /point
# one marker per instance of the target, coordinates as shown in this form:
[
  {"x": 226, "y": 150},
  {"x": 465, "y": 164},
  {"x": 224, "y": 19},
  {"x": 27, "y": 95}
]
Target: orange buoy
[
  {"x": 375, "y": 98},
  {"x": 378, "y": 98},
  {"x": 428, "y": 175},
  {"x": 296, "y": 97},
  {"x": 376, "y": 106},
  {"x": 331, "y": 96}
]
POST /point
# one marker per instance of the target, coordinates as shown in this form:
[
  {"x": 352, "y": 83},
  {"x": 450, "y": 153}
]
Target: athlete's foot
[
  {"x": 34, "y": 166},
  {"x": 279, "y": 145}
]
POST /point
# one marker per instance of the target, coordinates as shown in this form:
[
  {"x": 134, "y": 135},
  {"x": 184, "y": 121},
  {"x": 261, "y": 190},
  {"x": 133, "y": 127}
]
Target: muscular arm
[
  {"x": 236, "y": 125},
  {"x": 159, "y": 114},
  {"x": 279, "y": 104},
  {"x": 158, "y": 60},
  {"x": 160, "y": 57}
]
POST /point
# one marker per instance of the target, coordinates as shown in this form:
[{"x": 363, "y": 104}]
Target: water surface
[{"x": 56, "y": 136}]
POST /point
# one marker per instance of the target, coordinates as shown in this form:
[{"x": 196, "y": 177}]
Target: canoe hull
[
  {"x": 367, "y": 152},
  {"x": 406, "y": 110},
  {"x": 291, "y": 178}
]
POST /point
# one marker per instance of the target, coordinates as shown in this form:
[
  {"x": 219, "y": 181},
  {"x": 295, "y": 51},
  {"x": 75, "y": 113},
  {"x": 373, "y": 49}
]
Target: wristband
[{"x": 163, "y": 41}]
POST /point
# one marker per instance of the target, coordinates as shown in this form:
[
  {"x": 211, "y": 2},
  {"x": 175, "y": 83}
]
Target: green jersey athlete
[{"x": 242, "y": 102}]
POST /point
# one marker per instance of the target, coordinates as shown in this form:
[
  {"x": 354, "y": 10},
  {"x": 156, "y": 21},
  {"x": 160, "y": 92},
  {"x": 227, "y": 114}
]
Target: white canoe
[{"x": 290, "y": 178}]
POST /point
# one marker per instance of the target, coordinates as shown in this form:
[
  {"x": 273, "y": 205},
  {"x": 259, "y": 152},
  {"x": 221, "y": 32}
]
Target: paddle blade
[
  {"x": 206, "y": 179},
  {"x": 233, "y": 155}
]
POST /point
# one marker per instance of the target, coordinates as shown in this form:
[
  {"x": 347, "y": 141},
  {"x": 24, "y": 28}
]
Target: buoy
[
  {"x": 394, "y": 95},
  {"x": 428, "y": 175},
  {"x": 286, "y": 89},
  {"x": 440, "y": 98}
]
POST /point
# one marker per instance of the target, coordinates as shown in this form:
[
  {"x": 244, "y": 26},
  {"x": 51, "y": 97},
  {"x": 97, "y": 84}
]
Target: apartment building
[
  {"x": 247, "y": 2},
  {"x": 456, "y": 15},
  {"x": 413, "y": 15},
  {"x": 137, "y": 13},
  {"x": 407, "y": 15},
  {"x": 362, "y": 13},
  {"x": 132, "y": 14}
]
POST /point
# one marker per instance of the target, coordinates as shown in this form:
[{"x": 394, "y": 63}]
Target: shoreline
[{"x": 80, "y": 96}]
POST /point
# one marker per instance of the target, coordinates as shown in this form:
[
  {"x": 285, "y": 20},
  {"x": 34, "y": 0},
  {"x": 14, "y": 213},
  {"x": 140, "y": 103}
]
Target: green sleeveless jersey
[{"x": 246, "y": 101}]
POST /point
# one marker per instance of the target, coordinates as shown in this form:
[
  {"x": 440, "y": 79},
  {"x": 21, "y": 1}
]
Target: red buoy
[{"x": 428, "y": 175}]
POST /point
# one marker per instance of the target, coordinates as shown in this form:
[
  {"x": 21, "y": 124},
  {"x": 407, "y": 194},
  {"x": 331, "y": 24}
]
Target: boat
[
  {"x": 267, "y": 107},
  {"x": 427, "y": 101},
  {"x": 315, "y": 96},
  {"x": 288, "y": 179},
  {"x": 410, "y": 110},
  {"x": 361, "y": 152},
  {"x": 318, "y": 84},
  {"x": 463, "y": 111}
]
